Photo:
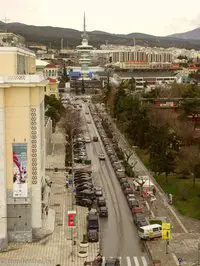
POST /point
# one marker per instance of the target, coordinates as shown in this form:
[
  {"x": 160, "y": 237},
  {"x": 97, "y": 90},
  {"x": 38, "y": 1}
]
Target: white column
[
  {"x": 3, "y": 185},
  {"x": 36, "y": 169}
]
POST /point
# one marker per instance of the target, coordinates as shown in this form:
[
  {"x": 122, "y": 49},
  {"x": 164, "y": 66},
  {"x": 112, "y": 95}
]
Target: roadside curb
[{"x": 148, "y": 251}]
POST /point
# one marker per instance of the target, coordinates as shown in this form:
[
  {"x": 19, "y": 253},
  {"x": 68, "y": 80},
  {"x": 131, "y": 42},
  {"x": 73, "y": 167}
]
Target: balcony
[{"x": 22, "y": 79}]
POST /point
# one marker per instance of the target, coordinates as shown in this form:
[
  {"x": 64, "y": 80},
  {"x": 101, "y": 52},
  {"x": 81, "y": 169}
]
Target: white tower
[{"x": 84, "y": 51}]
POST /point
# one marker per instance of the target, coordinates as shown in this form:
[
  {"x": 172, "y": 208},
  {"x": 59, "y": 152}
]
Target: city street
[{"x": 119, "y": 236}]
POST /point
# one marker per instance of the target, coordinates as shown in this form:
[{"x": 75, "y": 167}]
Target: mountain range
[{"x": 51, "y": 36}]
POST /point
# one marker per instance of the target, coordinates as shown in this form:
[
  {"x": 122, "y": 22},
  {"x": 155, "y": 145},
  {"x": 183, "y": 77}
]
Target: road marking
[
  {"x": 128, "y": 261},
  {"x": 136, "y": 261},
  {"x": 144, "y": 261}
]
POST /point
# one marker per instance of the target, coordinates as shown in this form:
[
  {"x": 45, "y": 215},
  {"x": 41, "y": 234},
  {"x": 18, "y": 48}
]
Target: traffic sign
[
  {"x": 166, "y": 232},
  {"x": 71, "y": 219},
  {"x": 70, "y": 181}
]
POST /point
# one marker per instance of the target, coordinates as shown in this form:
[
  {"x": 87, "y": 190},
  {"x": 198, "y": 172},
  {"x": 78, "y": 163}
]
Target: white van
[{"x": 150, "y": 231}]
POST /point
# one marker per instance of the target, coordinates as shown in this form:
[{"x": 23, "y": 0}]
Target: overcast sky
[{"x": 157, "y": 17}]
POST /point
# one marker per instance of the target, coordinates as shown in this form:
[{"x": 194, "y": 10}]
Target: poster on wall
[{"x": 20, "y": 179}]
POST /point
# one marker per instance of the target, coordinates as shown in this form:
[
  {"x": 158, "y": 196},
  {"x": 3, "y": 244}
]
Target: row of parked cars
[
  {"x": 139, "y": 217},
  {"x": 79, "y": 148}
]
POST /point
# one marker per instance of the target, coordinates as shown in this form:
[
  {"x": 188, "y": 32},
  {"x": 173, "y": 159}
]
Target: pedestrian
[
  {"x": 67, "y": 184},
  {"x": 47, "y": 210},
  {"x": 154, "y": 191}
]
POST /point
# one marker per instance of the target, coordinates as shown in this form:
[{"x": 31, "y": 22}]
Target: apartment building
[
  {"x": 16, "y": 61},
  {"x": 137, "y": 55},
  {"x": 22, "y": 145},
  {"x": 22, "y": 167}
]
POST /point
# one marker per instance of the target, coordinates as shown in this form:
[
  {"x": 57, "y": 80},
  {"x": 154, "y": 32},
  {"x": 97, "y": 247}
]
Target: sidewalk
[
  {"x": 183, "y": 243},
  {"x": 56, "y": 248}
]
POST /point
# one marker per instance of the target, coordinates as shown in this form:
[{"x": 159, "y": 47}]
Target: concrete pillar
[{"x": 3, "y": 185}]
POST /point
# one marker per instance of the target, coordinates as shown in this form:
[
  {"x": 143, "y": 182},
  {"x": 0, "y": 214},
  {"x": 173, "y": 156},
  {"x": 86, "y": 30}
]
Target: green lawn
[{"x": 185, "y": 198}]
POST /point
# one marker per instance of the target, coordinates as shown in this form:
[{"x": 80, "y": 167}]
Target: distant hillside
[
  {"x": 52, "y": 35},
  {"x": 192, "y": 34}
]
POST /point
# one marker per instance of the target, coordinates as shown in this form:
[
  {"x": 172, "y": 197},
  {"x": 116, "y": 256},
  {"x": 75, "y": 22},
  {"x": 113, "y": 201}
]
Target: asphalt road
[{"x": 119, "y": 236}]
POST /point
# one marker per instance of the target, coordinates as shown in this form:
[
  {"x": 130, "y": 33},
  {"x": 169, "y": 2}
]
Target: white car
[
  {"x": 87, "y": 139},
  {"x": 101, "y": 156}
]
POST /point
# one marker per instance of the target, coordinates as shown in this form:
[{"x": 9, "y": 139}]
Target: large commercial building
[
  {"x": 22, "y": 146},
  {"x": 142, "y": 56}
]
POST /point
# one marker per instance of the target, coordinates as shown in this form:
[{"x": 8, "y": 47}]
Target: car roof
[
  {"x": 112, "y": 260},
  {"x": 92, "y": 231},
  {"x": 103, "y": 207},
  {"x": 101, "y": 198},
  {"x": 151, "y": 226}
]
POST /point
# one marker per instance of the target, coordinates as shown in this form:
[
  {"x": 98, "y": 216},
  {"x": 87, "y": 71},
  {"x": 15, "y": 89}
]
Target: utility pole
[
  {"x": 61, "y": 46},
  {"x": 5, "y": 20},
  {"x": 135, "y": 59}
]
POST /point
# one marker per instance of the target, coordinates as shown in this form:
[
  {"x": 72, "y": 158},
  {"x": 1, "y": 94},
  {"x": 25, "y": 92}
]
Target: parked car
[
  {"x": 112, "y": 262},
  {"x": 139, "y": 217},
  {"x": 123, "y": 180},
  {"x": 130, "y": 196},
  {"x": 133, "y": 203},
  {"x": 103, "y": 211},
  {"x": 101, "y": 156},
  {"x": 99, "y": 193},
  {"x": 141, "y": 223},
  {"x": 93, "y": 235},
  {"x": 136, "y": 210},
  {"x": 84, "y": 202},
  {"x": 125, "y": 185},
  {"x": 93, "y": 221},
  {"x": 87, "y": 139},
  {"x": 83, "y": 187},
  {"x": 83, "y": 180},
  {"x": 128, "y": 191},
  {"x": 88, "y": 194},
  {"x": 101, "y": 201},
  {"x": 95, "y": 139}
]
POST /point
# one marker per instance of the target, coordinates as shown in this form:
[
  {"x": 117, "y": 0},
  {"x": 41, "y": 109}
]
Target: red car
[{"x": 136, "y": 210}]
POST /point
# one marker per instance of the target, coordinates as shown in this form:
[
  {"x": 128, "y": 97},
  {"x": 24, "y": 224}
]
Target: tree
[
  {"x": 82, "y": 86},
  {"x": 65, "y": 76},
  {"x": 54, "y": 108},
  {"x": 189, "y": 161},
  {"x": 163, "y": 150},
  {"x": 191, "y": 109}
]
